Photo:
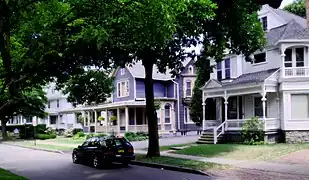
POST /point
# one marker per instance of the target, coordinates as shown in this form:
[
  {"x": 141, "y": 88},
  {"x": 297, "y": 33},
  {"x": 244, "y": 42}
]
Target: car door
[
  {"x": 90, "y": 150},
  {"x": 82, "y": 149}
]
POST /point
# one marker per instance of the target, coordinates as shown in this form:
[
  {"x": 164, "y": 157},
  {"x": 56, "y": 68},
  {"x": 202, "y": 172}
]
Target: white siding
[
  {"x": 273, "y": 60},
  {"x": 273, "y": 19}
]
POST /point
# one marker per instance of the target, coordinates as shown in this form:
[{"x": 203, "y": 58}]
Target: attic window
[
  {"x": 259, "y": 58},
  {"x": 122, "y": 71},
  {"x": 264, "y": 23},
  {"x": 190, "y": 69}
]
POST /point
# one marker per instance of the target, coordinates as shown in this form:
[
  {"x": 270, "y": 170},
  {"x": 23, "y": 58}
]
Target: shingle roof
[
  {"x": 254, "y": 77},
  {"x": 295, "y": 27},
  {"x": 137, "y": 70}
]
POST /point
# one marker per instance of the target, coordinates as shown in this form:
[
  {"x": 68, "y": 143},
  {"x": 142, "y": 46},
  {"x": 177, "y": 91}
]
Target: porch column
[
  {"x": 106, "y": 120},
  {"x": 58, "y": 121},
  {"x": 88, "y": 115},
  {"x": 282, "y": 65},
  {"x": 84, "y": 117},
  {"x": 162, "y": 118},
  {"x": 95, "y": 121},
  {"x": 204, "y": 114},
  {"x": 127, "y": 118},
  {"x": 225, "y": 108},
  {"x": 264, "y": 105}
]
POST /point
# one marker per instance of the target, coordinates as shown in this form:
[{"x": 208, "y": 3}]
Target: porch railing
[
  {"x": 218, "y": 131},
  {"x": 236, "y": 124},
  {"x": 138, "y": 128},
  {"x": 296, "y": 71}
]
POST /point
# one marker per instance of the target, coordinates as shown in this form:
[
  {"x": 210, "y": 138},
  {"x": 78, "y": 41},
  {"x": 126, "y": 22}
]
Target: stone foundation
[{"x": 296, "y": 136}]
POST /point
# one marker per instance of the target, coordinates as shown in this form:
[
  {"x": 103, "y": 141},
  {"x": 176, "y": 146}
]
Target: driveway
[{"x": 38, "y": 165}]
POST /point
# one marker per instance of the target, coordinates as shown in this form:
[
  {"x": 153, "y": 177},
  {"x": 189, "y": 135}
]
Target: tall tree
[{"x": 298, "y": 7}]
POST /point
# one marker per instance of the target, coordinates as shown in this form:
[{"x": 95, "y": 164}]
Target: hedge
[{"x": 46, "y": 136}]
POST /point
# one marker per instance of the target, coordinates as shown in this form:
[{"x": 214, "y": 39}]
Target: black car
[{"x": 100, "y": 151}]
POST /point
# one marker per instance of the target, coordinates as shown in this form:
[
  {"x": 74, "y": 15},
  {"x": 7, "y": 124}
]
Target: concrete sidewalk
[{"x": 297, "y": 169}]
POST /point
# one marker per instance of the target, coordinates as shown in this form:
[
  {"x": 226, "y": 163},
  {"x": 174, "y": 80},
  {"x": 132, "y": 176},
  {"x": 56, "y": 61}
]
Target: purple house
[{"x": 128, "y": 100}]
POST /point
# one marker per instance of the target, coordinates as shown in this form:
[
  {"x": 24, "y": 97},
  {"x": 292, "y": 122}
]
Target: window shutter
[
  {"x": 118, "y": 89},
  {"x": 127, "y": 88}
]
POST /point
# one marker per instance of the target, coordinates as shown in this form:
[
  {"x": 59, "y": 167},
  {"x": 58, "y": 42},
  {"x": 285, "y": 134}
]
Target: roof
[
  {"x": 295, "y": 27},
  {"x": 137, "y": 70},
  {"x": 255, "y": 77}
]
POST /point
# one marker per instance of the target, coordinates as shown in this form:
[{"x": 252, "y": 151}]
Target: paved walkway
[{"x": 299, "y": 169}]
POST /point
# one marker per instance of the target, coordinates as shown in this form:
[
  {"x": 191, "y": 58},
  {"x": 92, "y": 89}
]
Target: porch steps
[{"x": 208, "y": 138}]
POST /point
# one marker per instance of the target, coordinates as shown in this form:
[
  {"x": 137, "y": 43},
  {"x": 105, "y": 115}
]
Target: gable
[{"x": 211, "y": 84}]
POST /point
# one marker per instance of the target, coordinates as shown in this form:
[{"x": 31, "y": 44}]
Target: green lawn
[
  {"x": 62, "y": 140},
  {"x": 43, "y": 146},
  {"x": 7, "y": 175},
  {"x": 165, "y": 148},
  {"x": 181, "y": 162},
  {"x": 243, "y": 152}
]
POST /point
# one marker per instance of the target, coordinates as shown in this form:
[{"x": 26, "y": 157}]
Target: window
[
  {"x": 57, "y": 103},
  {"x": 53, "y": 119},
  {"x": 122, "y": 71},
  {"x": 48, "y": 104},
  {"x": 191, "y": 70},
  {"x": 299, "y": 57},
  {"x": 187, "y": 115},
  {"x": 123, "y": 89},
  {"x": 259, "y": 58},
  {"x": 258, "y": 107},
  {"x": 167, "y": 114},
  {"x": 299, "y": 106},
  {"x": 264, "y": 23},
  {"x": 288, "y": 58},
  {"x": 227, "y": 68},
  {"x": 219, "y": 71},
  {"x": 188, "y": 88}
]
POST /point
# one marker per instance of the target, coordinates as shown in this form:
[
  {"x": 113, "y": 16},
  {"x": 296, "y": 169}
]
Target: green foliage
[
  {"x": 80, "y": 119},
  {"x": 71, "y": 132},
  {"x": 113, "y": 118},
  {"x": 79, "y": 135},
  {"x": 157, "y": 104},
  {"x": 139, "y": 136},
  {"x": 95, "y": 135},
  {"x": 100, "y": 118},
  {"x": 252, "y": 131},
  {"x": 203, "y": 70},
  {"x": 298, "y": 7},
  {"x": 46, "y": 136}
]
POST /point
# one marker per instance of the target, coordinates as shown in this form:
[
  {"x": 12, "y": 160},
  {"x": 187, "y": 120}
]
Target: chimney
[{"x": 307, "y": 13}]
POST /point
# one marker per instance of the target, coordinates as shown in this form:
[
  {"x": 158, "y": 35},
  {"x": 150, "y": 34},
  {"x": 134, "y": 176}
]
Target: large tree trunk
[
  {"x": 3, "y": 130},
  {"x": 153, "y": 143}
]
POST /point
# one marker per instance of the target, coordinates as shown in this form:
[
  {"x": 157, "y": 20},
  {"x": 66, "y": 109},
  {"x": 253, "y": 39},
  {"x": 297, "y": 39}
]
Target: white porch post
[
  {"x": 95, "y": 121},
  {"x": 127, "y": 118},
  {"x": 264, "y": 105},
  {"x": 204, "y": 115},
  {"x": 282, "y": 61},
  {"x": 225, "y": 108},
  {"x": 84, "y": 117},
  {"x": 162, "y": 119},
  {"x": 58, "y": 121},
  {"x": 106, "y": 121},
  {"x": 88, "y": 115}
]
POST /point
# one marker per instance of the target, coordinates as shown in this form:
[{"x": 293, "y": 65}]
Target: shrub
[
  {"x": 46, "y": 136},
  {"x": 79, "y": 135},
  {"x": 252, "y": 131},
  {"x": 97, "y": 135},
  {"x": 139, "y": 136},
  {"x": 77, "y": 130}
]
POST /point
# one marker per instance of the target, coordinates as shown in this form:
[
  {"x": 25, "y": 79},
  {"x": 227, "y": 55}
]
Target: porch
[
  {"x": 241, "y": 99},
  {"x": 124, "y": 117}
]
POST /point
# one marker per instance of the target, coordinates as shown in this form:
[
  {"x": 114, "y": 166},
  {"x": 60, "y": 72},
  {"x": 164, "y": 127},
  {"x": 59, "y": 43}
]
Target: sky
[{"x": 285, "y": 2}]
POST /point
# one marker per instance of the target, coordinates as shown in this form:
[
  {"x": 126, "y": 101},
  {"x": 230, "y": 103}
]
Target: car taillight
[{"x": 131, "y": 150}]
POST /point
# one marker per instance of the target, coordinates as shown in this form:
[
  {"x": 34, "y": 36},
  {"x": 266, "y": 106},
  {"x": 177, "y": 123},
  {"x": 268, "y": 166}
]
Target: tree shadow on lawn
[{"x": 210, "y": 150}]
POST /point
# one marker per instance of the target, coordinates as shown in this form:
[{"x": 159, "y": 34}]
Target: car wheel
[
  {"x": 96, "y": 162},
  {"x": 75, "y": 158}
]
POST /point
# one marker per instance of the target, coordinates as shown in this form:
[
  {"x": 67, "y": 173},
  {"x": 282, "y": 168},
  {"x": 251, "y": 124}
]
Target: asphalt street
[{"x": 40, "y": 165}]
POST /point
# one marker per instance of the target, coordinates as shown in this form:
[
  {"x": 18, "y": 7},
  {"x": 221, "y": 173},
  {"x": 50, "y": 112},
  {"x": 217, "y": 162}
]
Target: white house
[{"x": 274, "y": 87}]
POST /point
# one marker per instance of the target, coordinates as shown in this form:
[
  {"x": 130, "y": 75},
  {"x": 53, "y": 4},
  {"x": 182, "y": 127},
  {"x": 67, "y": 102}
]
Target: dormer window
[
  {"x": 264, "y": 23},
  {"x": 259, "y": 58},
  {"x": 219, "y": 71},
  {"x": 190, "y": 69},
  {"x": 122, "y": 71}
]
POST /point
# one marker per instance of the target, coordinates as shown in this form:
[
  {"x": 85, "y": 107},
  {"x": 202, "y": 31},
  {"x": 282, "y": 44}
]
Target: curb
[
  {"x": 169, "y": 167},
  {"x": 34, "y": 148}
]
